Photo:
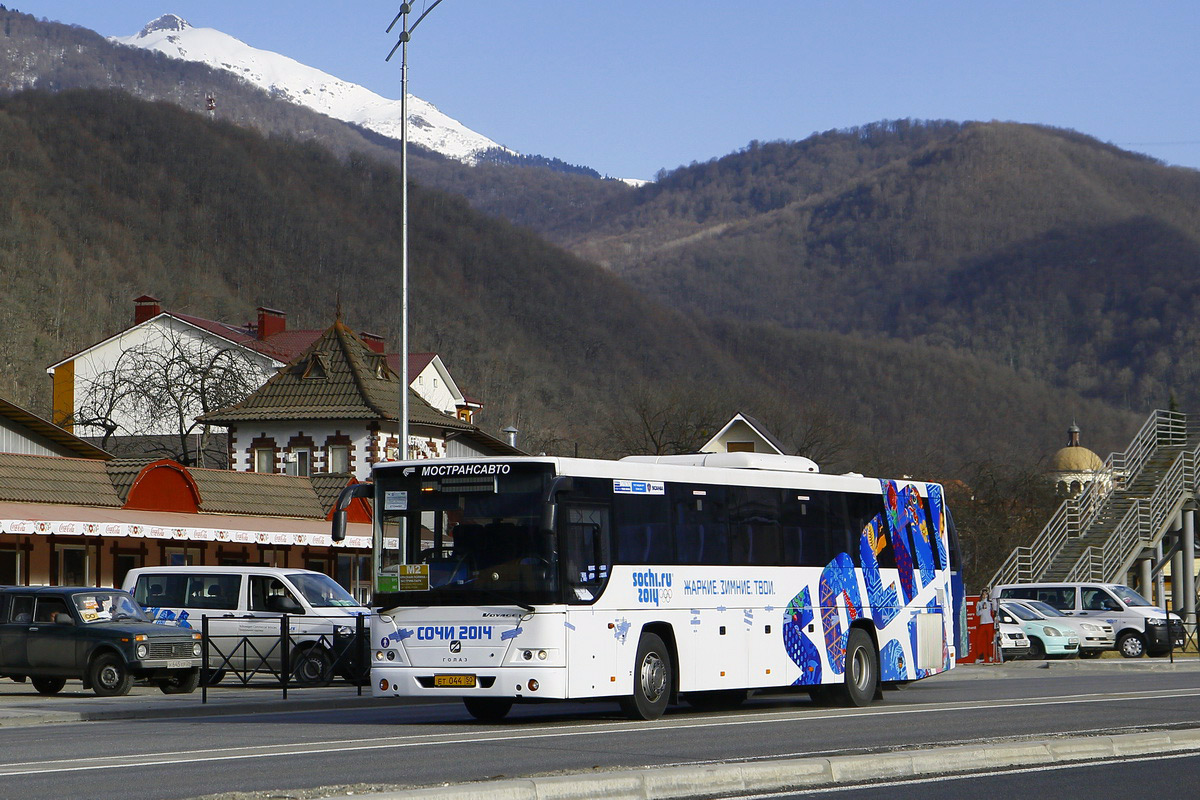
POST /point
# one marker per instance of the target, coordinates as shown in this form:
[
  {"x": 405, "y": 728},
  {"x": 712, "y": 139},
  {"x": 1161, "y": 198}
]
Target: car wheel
[
  {"x": 109, "y": 676},
  {"x": 48, "y": 685},
  {"x": 1037, "y": 650},
  {"x": 311, "y": 666},
  {"x": 861, "y": 680},
  {"x": 1132, "y": 645},
  {"x": 488, "y": 709},
  {"x": 652, "y": 680},
  {"x": 181, "y": 683}
]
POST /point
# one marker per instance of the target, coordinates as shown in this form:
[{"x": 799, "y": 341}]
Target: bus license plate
[{"x": 455, "y": 681}]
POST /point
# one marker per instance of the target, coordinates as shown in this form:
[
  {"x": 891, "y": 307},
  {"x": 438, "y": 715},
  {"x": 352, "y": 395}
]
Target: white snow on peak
[{"x": 288, "y": 79}]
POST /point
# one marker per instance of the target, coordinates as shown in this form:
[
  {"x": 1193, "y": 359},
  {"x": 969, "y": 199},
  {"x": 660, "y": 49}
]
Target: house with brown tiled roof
[
  {"x": 334, "y": 409},
  {"x": 85, "y": 404}
]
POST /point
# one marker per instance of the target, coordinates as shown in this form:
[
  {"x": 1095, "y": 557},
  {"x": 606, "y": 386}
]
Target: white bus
[{"x": 654, "y": 579}]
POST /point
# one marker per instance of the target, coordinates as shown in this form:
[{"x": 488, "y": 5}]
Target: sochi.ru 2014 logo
[{"x": 653, "y": 588}]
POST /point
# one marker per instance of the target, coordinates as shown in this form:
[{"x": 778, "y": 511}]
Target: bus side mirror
[{"x": 348, "y": 495}]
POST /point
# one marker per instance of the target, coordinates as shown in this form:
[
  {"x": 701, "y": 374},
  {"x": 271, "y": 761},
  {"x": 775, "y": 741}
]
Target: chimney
[
  {"x": 144, "y": 308},
  {"x": 372, "y": 340},
  {"x": 510, "y": 433},
  {"x": 270, "y": 322}
]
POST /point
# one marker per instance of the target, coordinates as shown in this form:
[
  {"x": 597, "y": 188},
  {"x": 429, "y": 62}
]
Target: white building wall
[
  {"x": 243, "y": 443},
  {"x": 92, "y": 364},
  {"x": 13, "y": 439},
  {"x": 435, "y": 386}
]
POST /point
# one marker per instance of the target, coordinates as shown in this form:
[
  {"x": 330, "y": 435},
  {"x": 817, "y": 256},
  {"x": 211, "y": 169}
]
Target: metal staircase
[{"x": 1134, "y": 500}]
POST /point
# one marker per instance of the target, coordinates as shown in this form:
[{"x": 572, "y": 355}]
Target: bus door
[{"x": 593, "y": 631}]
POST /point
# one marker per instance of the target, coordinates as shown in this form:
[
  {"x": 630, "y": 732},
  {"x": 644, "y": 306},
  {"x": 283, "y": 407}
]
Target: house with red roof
[{"x": 86, "y": 402}]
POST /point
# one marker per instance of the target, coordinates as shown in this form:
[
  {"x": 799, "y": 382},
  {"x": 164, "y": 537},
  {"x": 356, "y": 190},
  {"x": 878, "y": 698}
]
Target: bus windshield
[{"x": 482, "y": 538}]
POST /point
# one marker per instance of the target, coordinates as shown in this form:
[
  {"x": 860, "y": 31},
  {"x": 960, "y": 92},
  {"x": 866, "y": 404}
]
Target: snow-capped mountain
[{"x": 290, "y": 80}]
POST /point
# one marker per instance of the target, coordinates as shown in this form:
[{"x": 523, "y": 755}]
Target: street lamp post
[{"x": 402, "y": 45}]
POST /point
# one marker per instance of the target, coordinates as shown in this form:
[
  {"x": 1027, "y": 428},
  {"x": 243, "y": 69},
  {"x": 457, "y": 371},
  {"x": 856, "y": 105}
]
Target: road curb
[{"x": 716, "y": 780}]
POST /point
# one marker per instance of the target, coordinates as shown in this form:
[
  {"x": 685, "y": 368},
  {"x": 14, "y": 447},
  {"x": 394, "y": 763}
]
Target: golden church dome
[{"x": 1075, "y": 457}]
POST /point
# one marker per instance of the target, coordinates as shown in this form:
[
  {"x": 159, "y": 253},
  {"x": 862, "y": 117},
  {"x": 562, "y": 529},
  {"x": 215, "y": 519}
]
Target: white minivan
[
  {"x": 244, "y": 606},
  {"x": 1139, "y": 625}
]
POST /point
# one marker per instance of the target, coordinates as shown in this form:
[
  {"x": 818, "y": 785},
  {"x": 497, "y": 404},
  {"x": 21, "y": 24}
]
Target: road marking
[{"x": 565, "y": 729}]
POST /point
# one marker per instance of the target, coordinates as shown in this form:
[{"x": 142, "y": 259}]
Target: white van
[
  {"x": 244, "y": 605},
  {"x": 1139, "y": 625}
]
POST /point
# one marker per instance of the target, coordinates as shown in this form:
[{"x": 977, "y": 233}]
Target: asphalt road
[
  {"x": 389, "y": 743},
  {"x": 1163, "y": 778}
]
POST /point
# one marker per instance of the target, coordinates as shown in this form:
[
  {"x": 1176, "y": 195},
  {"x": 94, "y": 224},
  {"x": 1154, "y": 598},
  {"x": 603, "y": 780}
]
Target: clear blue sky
[{"x": 631, "y": 86}]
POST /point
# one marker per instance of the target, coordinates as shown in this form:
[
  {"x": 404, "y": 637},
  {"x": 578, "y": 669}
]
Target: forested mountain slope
[
  {"x": 1032, "y": 247},
  {"x": 107, "y": 197}
]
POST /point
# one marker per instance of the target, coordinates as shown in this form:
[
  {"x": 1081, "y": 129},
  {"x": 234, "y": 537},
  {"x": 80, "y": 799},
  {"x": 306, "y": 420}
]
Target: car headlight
[
  {"x": 343, "y": 630},
  {"x": 197, "y": 650},
  {"x": 1051, "y": 631},
  {"x": 1087, "y": 626},
  {"x": 142, "y": 650},
  {"x": 1156, "y": 621}
]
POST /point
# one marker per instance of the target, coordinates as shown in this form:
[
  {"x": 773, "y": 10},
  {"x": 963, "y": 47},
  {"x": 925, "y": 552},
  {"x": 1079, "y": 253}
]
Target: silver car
[{"x": 1095, "y": 635}]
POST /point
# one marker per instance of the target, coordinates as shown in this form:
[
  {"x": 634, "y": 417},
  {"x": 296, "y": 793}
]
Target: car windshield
[
  {"x": 1129, "y": 596},
  {"x": 107, "y": 607},
  {"x": 322, "y": 591},
  {"x": 1045, "y": 609},
  {"x": 1020, "y": 611}
]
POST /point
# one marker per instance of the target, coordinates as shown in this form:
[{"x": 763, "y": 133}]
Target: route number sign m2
[{"x": 414, "y": 578}]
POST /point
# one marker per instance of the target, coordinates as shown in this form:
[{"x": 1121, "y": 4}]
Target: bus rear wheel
[
  {"x": 861, "y": 683},
  {"x": 488, "y": 709},
  {"x": 652, "y": 680}
]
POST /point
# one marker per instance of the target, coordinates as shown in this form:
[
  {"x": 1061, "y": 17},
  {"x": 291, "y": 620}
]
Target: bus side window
[
  {"x": 755, "y": 534},
  {"x": 701, "y": 524},
  {"x": 805, "y": 528},
  {"x": 588, "y": 550},
  {"x": 643, "y": 529}
]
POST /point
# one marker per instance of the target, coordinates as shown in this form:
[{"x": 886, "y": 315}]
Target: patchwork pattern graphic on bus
[
  {"x": 914, "y": 535},
  {"x": 800, "y": 649}
]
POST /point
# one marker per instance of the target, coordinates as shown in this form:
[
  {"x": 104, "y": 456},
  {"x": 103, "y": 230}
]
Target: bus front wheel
[
  {"x": 862, "y": 670},
  {"x": 652, "y": 680}
]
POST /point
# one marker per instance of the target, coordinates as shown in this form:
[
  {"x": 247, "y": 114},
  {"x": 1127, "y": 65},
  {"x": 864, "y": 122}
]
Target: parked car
[
  {"x": 244, "y": 606},
  {"x": 52, "y": 634},
  {"x": 1095, "y": 636},
  {"x": 1013, "y": 642},
  {"x": 1140, "y": 626},
  {"x": 1045, "y": 638}
]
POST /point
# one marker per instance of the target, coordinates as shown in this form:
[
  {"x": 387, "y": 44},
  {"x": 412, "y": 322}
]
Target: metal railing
[
  {"x": 1141, "y": 526},
  {"x": 287, "y": 658},
  {"x": 1078, "y": 516}
]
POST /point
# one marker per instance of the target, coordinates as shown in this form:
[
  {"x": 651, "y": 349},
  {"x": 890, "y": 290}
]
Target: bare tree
[
  {"x": 160, "y": 386},
  {"x": 661, "y": 421}
]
